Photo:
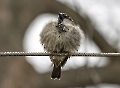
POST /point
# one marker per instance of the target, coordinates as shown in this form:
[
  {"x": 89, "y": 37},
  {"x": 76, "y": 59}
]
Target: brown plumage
[{"x": 61, "y": 36}]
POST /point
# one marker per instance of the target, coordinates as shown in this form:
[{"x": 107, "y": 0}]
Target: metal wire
[{"x": 57, "y": 54}]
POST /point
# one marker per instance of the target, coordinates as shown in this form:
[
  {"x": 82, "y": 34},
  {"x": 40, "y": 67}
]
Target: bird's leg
[
  {"x": 68, "y": 53},
  {"x": 51, "y": 55}
]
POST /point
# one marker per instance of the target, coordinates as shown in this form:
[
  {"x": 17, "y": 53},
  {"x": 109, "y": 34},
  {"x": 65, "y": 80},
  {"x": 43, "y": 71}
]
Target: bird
[{"x": 61, "y": 36}]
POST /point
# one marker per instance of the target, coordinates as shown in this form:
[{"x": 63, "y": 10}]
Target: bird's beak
[{"x": 60, "y": 17}]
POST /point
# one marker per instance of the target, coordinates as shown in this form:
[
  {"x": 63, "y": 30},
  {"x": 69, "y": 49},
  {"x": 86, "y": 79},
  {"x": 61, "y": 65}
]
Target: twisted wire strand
[{"x": 59, "y": 54}]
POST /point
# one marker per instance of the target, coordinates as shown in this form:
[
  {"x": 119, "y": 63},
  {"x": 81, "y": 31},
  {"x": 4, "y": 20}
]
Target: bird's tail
[{"x": 56, "y": 73}]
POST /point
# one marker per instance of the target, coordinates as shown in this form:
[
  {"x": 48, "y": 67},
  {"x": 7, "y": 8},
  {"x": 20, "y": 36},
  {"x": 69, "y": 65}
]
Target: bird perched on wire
[{"x": 61, "y": 36}]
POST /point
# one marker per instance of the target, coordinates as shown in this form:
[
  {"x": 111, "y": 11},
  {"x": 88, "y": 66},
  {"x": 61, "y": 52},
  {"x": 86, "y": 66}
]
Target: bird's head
[{"x": 64, "y": 21}]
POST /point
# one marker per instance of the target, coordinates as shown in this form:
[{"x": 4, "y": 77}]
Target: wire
[{"x": 57, "y": 54}]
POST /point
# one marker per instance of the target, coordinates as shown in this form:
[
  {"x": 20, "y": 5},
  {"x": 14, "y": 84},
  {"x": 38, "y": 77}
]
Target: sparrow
[{"x": 61, "y": 36}]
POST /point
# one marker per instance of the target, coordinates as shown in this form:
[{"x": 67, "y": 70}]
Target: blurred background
[{"x": 21, "y": 23}]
